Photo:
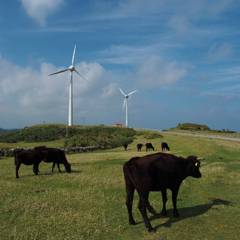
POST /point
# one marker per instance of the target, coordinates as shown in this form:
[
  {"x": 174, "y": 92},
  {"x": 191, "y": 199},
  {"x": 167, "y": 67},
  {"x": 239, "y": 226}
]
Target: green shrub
[
  {"x": 193, "y": 126},
  {"x": 102, "y": 136}
]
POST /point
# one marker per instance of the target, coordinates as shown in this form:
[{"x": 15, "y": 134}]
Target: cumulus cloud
[
  {"x": 39, "y": 10},
  {"x": 33, "y": 96},
  {"x": 156, "y": 72}
]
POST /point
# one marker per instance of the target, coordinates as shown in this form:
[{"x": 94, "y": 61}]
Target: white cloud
[
  {"x": 39, "y": 10},
  {"x": 156, "y": 72},
  {"x": 33, "y": 96},
  {"x": 29, "y": 96},
  {"x": 110, "y": 90}
]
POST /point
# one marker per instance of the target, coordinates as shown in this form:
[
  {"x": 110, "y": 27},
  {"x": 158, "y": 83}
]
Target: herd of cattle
[
  {"x": 155, "y": 172},
  {"x": 149, "y": 147}
]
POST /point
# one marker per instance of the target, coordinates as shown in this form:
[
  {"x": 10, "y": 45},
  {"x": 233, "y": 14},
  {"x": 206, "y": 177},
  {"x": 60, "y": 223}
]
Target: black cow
[
  {"x": 165, "y": 147},
  {"x": 56, "y": 156},
  {"x": 156, "y": 172},
  {"x": 125, "y": 146},
  {"x": 149, "y": 147},
  {"x": 139, "y": 147},
  {"x": 28, "y": 157}
]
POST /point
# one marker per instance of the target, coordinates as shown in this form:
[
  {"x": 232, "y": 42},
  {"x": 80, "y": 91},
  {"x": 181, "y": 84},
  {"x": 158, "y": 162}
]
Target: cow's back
[
  {"x": 27, "y": 157},
  {"x": 154, "y": 171},
  {"x": 54, "y": 155}
]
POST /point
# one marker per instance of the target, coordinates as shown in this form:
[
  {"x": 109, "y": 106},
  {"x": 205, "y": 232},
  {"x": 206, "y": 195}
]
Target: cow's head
[
  {"x": 67, "y": 167},
  {"x": 193, "y": 165}
]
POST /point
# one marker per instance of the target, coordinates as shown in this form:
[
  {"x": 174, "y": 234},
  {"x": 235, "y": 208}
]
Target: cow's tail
[
  {"x": 128, "y": 168},
  {"x": 15, "y": 151}
]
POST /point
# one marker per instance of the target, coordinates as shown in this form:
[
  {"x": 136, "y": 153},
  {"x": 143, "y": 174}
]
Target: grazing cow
[
  {"x": 156, "y": 172},
  {"x": 139, "y": 147},
  {"x": 28, "y": 157},
  {"x": 56, "y": 156},
  {"x": 165, "y": 147},
  {"x": 149, "y": 146},
  {"x": 125, "y": 146}
]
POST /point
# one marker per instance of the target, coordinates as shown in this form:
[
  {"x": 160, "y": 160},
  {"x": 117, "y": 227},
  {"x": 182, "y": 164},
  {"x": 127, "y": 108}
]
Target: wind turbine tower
[
  {"x": 125, "y": 103},
  {"x": 71, "y": 69}
]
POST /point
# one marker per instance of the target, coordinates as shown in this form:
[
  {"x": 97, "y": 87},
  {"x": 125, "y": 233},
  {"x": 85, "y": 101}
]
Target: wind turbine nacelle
[{"x": 71, "y": 68}]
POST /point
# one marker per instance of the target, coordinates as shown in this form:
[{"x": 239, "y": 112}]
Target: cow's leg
[
  {"x": 129, "y": 202},
  {"x": 17, "y": 168},
  {"x": 143, "y": 202},
  {"x": 174, "y": 201},
  {"x": 58, "y": 165},
  {"x": 35, "y": 168},
  {"x": 53, "y": 166},
  {"x": 164, "y": 201},
  {"x": 150, "y": 207}
]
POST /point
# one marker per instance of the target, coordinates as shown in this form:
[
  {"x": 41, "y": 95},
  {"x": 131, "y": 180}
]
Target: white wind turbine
[
  {"x": 125, "y": 102},
  {"x": 72, "y": 69}
]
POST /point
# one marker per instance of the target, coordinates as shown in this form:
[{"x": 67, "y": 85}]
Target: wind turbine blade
[
  {"x": 80, "y": 74},
  {"x": 73, "y": 56},
  {"x": 122, "y": 92},
  {"x": 61, "y": 71},
  {"x": 132, "y": 92}
]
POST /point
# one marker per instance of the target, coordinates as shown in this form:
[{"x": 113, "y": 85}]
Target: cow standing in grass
[
  {"x": 125, "y": 146},
  {"x": 156, "y": 172},
  {"x": 149, "y": 147},
  {"x": 165, "y": 147},
  {"x": 28, "y": 157},
  {"x": 139, "y": 147}
]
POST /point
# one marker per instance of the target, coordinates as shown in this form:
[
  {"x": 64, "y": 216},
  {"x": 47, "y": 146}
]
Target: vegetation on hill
[
  {"x": 149, "y": 134},
  {"x": 200, "y": 127},
  {"x": 100, "y": 136},
  {"x": 192, "y": 126}
]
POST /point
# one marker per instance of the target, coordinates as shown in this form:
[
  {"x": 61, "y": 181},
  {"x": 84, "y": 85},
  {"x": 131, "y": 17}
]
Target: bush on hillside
[
  {"x": 193, "y": 127},
  {"x": 102, "y": 136},
  {"x": 149, "y": 134},
  {"x": 103, "y": 139}
]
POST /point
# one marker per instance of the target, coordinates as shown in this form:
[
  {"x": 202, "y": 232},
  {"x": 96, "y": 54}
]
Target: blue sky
[{"x": 181, "y": 56}]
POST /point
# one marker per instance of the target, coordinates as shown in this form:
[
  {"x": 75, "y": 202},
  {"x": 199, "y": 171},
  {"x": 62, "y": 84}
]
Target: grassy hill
[
  {"x": 89, "y": 204},
  {"x": 192, "y": 126},
  {"x": 45, "y": 134}
]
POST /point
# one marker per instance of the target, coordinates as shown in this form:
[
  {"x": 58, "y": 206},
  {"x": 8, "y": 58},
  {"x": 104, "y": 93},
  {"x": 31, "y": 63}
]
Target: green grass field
[{"x": 89, "y": 203}]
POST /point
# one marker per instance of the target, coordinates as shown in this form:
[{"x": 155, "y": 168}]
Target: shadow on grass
[
  {"x": 190, "y": 212},
  {"x": 49, "y": 173},
  {"x": 76, "y": 171}
]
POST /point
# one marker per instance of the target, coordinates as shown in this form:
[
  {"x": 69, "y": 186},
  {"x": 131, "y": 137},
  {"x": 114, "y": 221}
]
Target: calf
[
  {"x": 139, "y": 147},
  {"x": 28, "y": 157},
  {"x": 149, "y": 147},
  {"x": 56, "y": 156},
  {"x": 165, "y": 147},
  {"x": 156, "y": 172}
]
